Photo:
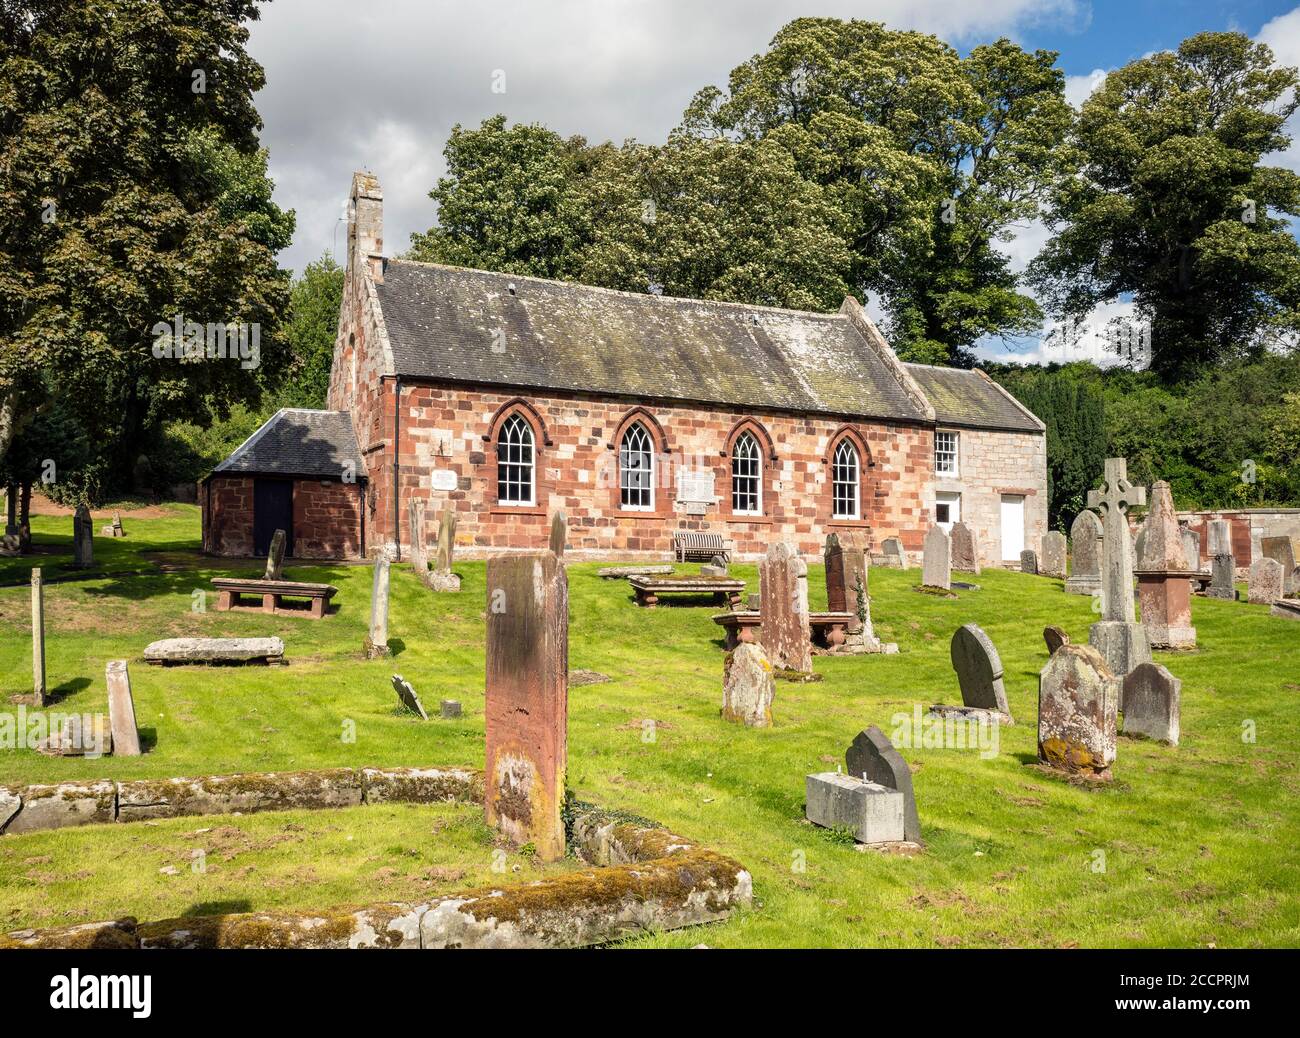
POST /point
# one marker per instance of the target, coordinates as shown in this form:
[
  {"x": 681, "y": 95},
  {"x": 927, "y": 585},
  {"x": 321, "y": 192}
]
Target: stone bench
[
  {"x": 827, "y": 630},
  {"x": 230, "y": 591},
  {"x": 725, "y": 590},
  {"x": 214, "y": 651}
]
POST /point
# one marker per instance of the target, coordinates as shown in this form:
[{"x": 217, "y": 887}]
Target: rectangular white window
[{"x": 945, "y": 454}]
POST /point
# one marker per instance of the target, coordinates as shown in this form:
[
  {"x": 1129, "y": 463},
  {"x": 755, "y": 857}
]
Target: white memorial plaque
[
  {"x": 443, "y": 479},
  {"x": 695, "y": 486}
]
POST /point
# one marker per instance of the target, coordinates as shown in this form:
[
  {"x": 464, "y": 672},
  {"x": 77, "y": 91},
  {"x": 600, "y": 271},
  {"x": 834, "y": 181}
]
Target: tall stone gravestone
[
  {"x": 1151, "y": 702},
  {"x": 1265, "y": 584},
  {"x": 83, "y": 538},
  {"x": 847, "y": 590},
  {"x": 442, "y": 578},
  {"x": 1281, "y": 550},
  {"x": 275, "y": 556},
  {"x": 871, "y": 756},
  {"x": 748, "y": 686},
  {"x": 559, "y": 533},
  {"x": 1164, "y": 576},
  {"x": 526, "y": 705},
  {"x": 419, "y": 550},
  {"x": 979, "y": 673},
  {"x": 965, "y": 550},
  {"x": 1085, "y": 555},
  {"x": 121, "y": 710},
  {"x": 1223, "y": 566},
  {"x": 377, "y": 639},
  {"x": 783, "y": 605},
  {"x": 1052, "y": 562},
  {"x": 1191, "y": 548},
  {"x": 38, "y": 637},
  {"x": 1078, "y": 698},
  {"x": 936, "y": 560},
  {"x": 1120, "y": 639}
]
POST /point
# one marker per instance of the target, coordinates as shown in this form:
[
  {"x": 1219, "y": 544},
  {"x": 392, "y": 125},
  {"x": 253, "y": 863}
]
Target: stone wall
[
  {"x": 327, "y": 518},
  {"x": 1249, "y": 528},
  {"x": 226, "y": 505}
]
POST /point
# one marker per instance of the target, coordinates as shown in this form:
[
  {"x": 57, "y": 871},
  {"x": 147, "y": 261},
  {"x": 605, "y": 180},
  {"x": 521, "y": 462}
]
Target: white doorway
[
  {"x": 1013, "y": 527},
  {"x": 947, "y": 510}
]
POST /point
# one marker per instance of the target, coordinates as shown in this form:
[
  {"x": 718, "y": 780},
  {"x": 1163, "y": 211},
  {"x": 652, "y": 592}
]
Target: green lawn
[{"x": 1199, "y": 844}]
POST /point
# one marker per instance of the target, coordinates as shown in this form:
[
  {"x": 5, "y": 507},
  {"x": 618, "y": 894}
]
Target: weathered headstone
[
  {"x": 895, "y": 557},
  {"x": 121, "y": 710},
  {"x": 450, "y": 709},
  {"x": 1029, "y": 561},
  {"x": 965, "y": 550},
  {"x": 979, "y": 672},
  {"x": 936, "y": 559},
  {"x": 275, "y": 556},
  {"x": 442, "y": 578},
  {"x": 1120, "y": 639},
  {"x": 1282, "y": 551},
  {"x": 783, "y": 603},
  {"x": 1150, "y": 700},
  {"x": 408, "y": 697},
  {"x": 1164, "y": 576},
  {"x": 1052, "y": 563},
  {"x": 1085, "y": 554},
  {"x": 1191, "y": 548},
  {"x": 377, "y": 640},
  {"x": 1078, "y": 698},
  {"x": 1223, "y": 565},
  {"x": 1220, "y": 537},
  {"x": 748, "y": 686},
  {"x": 216, "y": 651},
  {"x": 847, "y": 589},
  {"x": 83, "y": 538},
  {"x": 559, "y": 533},
  {"x": 1266, "y": 582},
  {"x": 526, "y": 708},
  {"x": 872, "y": 757},
  {"x": 1054, "y": 637},
  {"x": 38, "y": 637},
  {"x": 419, "y": 551}
]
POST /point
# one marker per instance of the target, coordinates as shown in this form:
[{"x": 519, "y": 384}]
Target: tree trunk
[{"x": 25, "y": 519}]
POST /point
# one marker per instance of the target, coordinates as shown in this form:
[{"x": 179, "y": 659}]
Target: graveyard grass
[{"x": 1189, "y": 847}]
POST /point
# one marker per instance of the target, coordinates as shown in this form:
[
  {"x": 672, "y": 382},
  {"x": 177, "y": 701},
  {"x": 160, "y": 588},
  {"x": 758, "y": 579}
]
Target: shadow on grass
[{"x": 228, "y": 907}]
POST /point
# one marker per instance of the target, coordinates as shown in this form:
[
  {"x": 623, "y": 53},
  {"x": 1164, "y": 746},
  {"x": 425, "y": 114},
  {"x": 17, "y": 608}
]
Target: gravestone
[
  {"x": 114, "y": 529},
  {"x": 419, "y": 550},
  {"x": 377, "y": 640},
  {"x": 83, "y": 539},
  {"x": 275, "y": 556},
  {"x": 1054, "y": 552},
  {"x": 1220, "y": 537},
  {"x": 1150, "y": 700},
  {"x": 526, "y": 705},
  {"x": 872, "y": 757},
  {"x": 965, "y": 551},
  {"x": 936, "y": 559},
  {"x": 1191, "y": 548},
  {"x": 748, "y": 686},
  {"x": 1054, "y": 637},
  {"x": 38, "y": 637},
  {"x": 121, "y": 710},
  {"x": 895, "y": 557},
  {"x": 1223, "y": 566},
  {"x": 408, "y": 697},
  {"x": 559, "y": 533},
  {"x": 873, "y": 812},
  {"x": 215, "y": 651},
  {"x": 1281, "y": 550},
  {"x": 450, "y": 709},
  {"x": 979, "y": 673},
  {"x": 1078, "y": 698},
  {"x": 442, "y": 578},
  {"x": 783, "y": 603},
  {"x": 847, "y": 583},
  {"x": 1164, "y": 576},
  {"x": 1029, "y": 561},
  {"x": 1265, "y": 584},
  {"x": 1120, "y": 639},
  {"x": 1085, "y": 555}
]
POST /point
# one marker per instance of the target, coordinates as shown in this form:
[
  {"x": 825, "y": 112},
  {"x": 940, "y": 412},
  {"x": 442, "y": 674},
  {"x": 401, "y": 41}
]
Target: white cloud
[
  {"x": 1282, "y": 34},
  {"x": 1078, "y": 88}
]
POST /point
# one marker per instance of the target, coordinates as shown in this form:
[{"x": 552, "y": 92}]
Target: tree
[
  {"x": 310, "y": 333},
  {"x": 1165, "y": 200}
]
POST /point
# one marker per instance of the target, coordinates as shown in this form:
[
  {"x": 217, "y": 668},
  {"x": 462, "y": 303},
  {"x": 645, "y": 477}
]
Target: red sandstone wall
[
  {"x": 326, "y": 520},
  {"x": 227, "y": 510}
]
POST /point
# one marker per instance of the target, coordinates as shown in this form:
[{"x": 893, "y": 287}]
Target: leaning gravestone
[
  {"x": 408, "y": 697},
  {"x": 979, "y": 673},
  {"x": 1281, "y": 550},
  {"x": 377, "y": 639},
  {"x": 1085, "y": 555},
  {"x": 1055, "y": 637},
  {"x": 895, "y": 557},
  {"x": 1078, "y": 697},
  {"x": 1265, "y": 585},
  {"x": 965, "y": 552},
  {"x": 121, "y": 710},
  {"x": 83, "y": 539},
  {"x": 872, "y": 757},
  {"x": 748, "y": 686},
  {"x": 936, "y": 559},
  {"x": 38, "y": 637},
  {"x": 1150, "y": 700},
  {"x": 783, "y": 603},
  {"x": 559, "y": 533},
  {"x": 1052, "y": 563},
  {"x": 275, "y": 556},
  {"x": 1029, "y": 561},
  {"x": 1120, "y": 639},
  {"x": 527, "y": 699}
]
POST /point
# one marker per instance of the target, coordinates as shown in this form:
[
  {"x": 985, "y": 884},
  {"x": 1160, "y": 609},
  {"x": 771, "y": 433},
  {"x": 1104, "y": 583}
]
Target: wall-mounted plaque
[
  {"x": 443, "y": 479},
  {"x": 695, "y": 487}
]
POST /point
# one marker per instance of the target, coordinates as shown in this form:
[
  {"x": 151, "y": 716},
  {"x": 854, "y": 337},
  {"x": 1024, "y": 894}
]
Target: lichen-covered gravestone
[
  {"x": 1078, "y": 699},
  {"x": 83, "y": 538},
  {"x": 1282, "y": 551},
  {"x": 1151, "y": 702},
  {"x": 748, "y": 686},
  {"x": 1054, "y": 554},
  {"x": 275, "y": 556},
  {"x": 377, "y": 639},
  {"x": 1029, "y": 561},
  {"x": 408, "y": 697},
  {"x": 38, "y": 637},
  {"x": 527, "y": 699},
  {"x": 1265, "y": 585},
  {"x": 1085, "y": 555},
  {"x": 1120, "y": 639},
  {"x": 965, "y": 550},
  {"x": 1164, "y": 576},
  {"x": 936, "y": 559},
  {"x": 871, "y": 756},
  {"x": 979, "y": 673},
  {"x": 121, "y": 710},
  {"x": 783, "y": 603}
]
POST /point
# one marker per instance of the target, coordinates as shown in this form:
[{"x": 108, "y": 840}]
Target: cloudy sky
[{"x": 379, "y": 85}]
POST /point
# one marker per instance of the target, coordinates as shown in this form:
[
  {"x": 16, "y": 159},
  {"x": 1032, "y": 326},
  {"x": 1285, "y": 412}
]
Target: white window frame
[
  {"x": 644, "y": 449},
  {"x": 846, "y": 475},
  {"x": 516, "y": 432},
  {"x": 752, "y": 457},
  {"x": 947, "y": 453}
]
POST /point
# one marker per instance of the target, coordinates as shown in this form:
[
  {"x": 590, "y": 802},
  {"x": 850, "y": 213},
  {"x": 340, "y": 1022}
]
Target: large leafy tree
[
  {"x": 310, "y": 333},
  {"x": 133, "y": 191},
  {"x": 1167, "y": 202}
]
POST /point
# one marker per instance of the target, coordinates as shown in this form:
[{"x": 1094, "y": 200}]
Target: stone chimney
[{"x": 366, "y": 225}]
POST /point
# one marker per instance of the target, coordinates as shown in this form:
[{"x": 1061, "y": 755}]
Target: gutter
[{"x": 394, "y": 511}]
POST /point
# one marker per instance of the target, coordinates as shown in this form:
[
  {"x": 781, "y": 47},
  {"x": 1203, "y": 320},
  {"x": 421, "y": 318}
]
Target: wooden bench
[
  {"x": 827, "y": 630},
  {"x": 230, "y": 591},
  {"x": 724, "y": 590},
  {"x": 694, "y": 546}
]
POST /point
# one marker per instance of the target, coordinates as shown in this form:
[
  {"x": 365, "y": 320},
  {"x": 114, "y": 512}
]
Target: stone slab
[
  {"x": 214, "y": 650},
  {"x": 874, "y": 812}
]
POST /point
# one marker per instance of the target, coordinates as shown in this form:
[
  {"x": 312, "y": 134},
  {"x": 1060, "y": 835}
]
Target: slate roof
[
  {"x": 299, "y": 442},
  {"x": 442, "y": 324},
  {"x": 972, "y": 399}
]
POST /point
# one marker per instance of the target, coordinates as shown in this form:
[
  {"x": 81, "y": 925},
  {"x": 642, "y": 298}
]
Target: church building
[{"x": 510, "y": 398}]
